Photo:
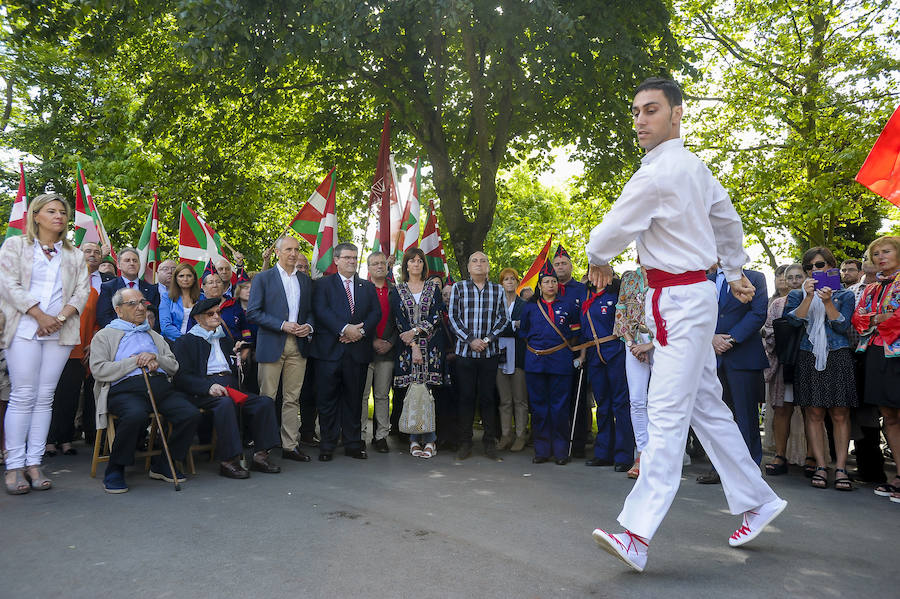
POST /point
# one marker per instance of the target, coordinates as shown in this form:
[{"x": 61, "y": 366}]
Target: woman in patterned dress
[{"x": 417, "y": 305}]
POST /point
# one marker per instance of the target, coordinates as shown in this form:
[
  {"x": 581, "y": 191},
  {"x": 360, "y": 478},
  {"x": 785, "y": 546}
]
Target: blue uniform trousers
[
  {"x": 615, "y": 437},
  {"x": 548, "y": 396}
]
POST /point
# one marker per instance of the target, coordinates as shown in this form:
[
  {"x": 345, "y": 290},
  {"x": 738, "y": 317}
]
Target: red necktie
[
  {"x": 349, "y": 294},
  {"x": 131, "y": 284}
]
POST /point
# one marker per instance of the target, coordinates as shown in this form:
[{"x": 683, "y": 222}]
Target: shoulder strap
[
  {"x": 552, "y": 324},
  {"x": 594, "y": 333}
]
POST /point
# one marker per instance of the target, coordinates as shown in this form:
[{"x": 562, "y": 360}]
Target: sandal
[
  {"x": 776, "y": 468},
  {"x": 817, "y": 480},
  {"x": 50, "y": 450},
  {"x": 635, "y": 470},
  {"x": 809, "y": 469},
  {"x": 886, "y": 490},
  {"x": 842, "y": 484},
  {"x": 39, "y": 482},
  {"x": 415, "y": 449},
  {"x": 15, "y": 482},
  {"x": 67, "y": 449},
  {"x": 895, "y": 497},
  {"x": 429, "y": 451}
]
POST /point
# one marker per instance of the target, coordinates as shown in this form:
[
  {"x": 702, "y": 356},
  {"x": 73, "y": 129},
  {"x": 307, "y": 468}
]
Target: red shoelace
[{"x": 744, "y": 529}]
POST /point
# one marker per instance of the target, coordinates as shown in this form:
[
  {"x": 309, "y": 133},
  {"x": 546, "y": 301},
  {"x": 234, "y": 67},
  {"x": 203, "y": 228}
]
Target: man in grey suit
[{"x": 280, "y": 303}]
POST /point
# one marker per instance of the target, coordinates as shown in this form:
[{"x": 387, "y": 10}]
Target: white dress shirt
[
  {"x": 291, "y": 290},
  {"x": 96, "y": 281},
  {"x": 678, "y": 213},
  {"x": 46, "y": 289},
  {"x": 352, "y": 287},
  {"x": 217, "y": 361}
]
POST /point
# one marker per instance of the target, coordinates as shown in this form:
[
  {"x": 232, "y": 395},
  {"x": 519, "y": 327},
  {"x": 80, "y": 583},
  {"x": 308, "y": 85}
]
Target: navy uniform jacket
[
  {"x": 743, "y": 322},
  {"x": 538, "y": 333},
  {"x": 602, "y": 310},
  {"x": 332, "y": 312}
]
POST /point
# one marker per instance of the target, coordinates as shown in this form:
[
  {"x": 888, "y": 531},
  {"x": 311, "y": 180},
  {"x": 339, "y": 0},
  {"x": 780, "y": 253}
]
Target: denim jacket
[{"x": 835, "y": 330}]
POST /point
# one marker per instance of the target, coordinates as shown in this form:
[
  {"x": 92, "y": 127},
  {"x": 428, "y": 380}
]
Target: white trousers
[
  {"x": 34, "y": 370},
  {"x": 638, "y": 375},
  {"x": 685, "y": 392}
]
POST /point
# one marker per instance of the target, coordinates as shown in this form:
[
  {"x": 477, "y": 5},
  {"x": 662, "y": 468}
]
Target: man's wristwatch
[
  {"x": 61, "y": 318},
  {"x": 362, "y": 331},
  {"x": 487, "y": 340}
]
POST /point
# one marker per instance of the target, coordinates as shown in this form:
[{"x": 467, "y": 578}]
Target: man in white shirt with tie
[{"x": 683, "y": 222}]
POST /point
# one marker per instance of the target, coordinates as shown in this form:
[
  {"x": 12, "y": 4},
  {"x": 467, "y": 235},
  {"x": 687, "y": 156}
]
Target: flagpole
[
  {"x": 283, "y": 233},
  {"x": 365, "y": 230}
]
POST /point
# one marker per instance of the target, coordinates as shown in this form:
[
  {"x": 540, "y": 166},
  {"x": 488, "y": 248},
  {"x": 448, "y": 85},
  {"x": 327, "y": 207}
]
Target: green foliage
[
  {"x": 240, "y": 107},
  {"x": 791, "y": 98}
]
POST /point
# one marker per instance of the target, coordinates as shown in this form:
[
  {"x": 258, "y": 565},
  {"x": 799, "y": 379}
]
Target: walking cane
[
  {"x": 161, "y": 433},
  {"x": 240, "y": 379},
  {"x": 575, "y": 413}
]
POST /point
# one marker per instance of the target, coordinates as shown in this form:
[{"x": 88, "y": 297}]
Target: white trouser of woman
[
  {"x": 638, "y": 375},
  {"x": 34, "y": 370}
]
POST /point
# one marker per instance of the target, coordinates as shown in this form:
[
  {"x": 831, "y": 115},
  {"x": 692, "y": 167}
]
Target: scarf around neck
[
  {"x": 129, "y": 328},
  {"x": 209, "y": 336}
]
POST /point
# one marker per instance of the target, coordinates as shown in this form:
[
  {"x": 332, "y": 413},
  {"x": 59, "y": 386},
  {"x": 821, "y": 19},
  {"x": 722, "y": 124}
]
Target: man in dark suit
[
  {"x": 129, "y": 265},
  {"x": 205, "y": 359},
  {"x": 347, "y": 314},
  {"x": 741, "y": 359},
  {"x": 280, "y": 300}
]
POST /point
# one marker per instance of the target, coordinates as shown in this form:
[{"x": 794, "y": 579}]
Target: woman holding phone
[{"x": 823, "y": 376}]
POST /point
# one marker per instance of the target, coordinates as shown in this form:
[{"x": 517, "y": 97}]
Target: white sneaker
[
  {"x": 626, "y": 546},
  {"x": 755, "y": 521}
]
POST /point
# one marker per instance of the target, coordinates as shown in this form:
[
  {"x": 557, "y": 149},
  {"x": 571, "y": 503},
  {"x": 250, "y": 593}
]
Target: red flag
[
  {"x": 540, "y": 264},
  {"x": 382, "y": 187},
  {"x": 881, "y": 170},
  {"x": 236, "y": 396},
  {"x": 20, "y": 207}
]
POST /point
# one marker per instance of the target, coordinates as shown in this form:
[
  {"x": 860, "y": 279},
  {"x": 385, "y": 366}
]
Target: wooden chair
[{"x": 103, "y": 443}]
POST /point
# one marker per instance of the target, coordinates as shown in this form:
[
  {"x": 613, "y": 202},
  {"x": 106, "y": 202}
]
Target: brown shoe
[
  {"x": 518, "y": 444},
  {"x": 261, "y": 463},
  {"x": 504, "y": 443},
  {"x": 232, "y": 469}
]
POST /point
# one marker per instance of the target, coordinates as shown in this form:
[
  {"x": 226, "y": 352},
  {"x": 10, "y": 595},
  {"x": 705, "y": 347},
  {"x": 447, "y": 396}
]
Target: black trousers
[
  {"x": 339, "y": 388},
  {"x": 446, "y": 408},
  {"x": 308, "y": 412},
  {"x": 130, "y": 401},
  {"x": 258, "y": 409},
  {"x": 477, "y": 382},
  {"x": 65, "y": 403},
  {"x": 869, "y": 458}
]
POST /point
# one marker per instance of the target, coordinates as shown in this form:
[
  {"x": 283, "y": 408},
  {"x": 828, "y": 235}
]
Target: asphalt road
[{"x": 397, "y": 526}]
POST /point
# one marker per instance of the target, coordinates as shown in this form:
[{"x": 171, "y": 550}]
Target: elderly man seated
[
  {"x": 205, "y": 355},
  {"x": 119, "y": 352}
]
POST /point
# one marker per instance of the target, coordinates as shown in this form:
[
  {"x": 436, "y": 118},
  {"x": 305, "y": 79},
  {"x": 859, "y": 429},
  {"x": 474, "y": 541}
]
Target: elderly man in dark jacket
[{"x": 206, "y": 356}]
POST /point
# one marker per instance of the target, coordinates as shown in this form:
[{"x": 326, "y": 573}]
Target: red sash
[{"x": 657, "y": 280}]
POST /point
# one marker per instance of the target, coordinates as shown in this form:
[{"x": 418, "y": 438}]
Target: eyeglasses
[
  {"x": 133, "y": 303},
  {"x": 212, "y": 313},
  {"x": 819, "y": 264}
]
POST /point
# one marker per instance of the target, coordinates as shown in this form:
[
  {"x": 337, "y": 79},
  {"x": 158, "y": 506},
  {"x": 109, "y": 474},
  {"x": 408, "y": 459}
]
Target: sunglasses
[
  {"x": 819, "y": 264},
  {"x": 212, "y": 313}
]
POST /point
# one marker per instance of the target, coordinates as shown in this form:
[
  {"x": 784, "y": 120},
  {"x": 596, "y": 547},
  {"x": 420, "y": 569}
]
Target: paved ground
[{"x": 396, "y": 526}]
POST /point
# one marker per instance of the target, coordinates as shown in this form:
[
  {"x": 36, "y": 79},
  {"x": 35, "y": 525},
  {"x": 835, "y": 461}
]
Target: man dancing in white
[{"x": 683, "y": 222}]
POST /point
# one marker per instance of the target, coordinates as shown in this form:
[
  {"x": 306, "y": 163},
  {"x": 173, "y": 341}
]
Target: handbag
[
  {"x": 787, "y": 340},
  {"x": 417, "y": 416}
]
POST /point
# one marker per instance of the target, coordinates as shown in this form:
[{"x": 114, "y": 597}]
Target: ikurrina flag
[
  {"x": 881, "y": 170},
  {"x": 322, "y": 262},
  {"x": 20, "y": 207},
  {"x": 432, "y": 245},
  {"x": 410, "y": 225},
  {"x": 306, "y": 223},
  {"x": 540, "y": 264},
  {"x": 88, "y": 223},
  {"x": 198, "y": 243},
  {"x": 148, "y": 246}
]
